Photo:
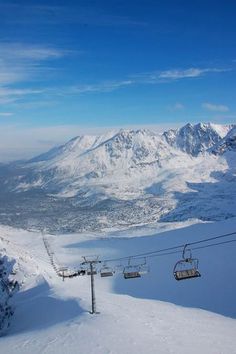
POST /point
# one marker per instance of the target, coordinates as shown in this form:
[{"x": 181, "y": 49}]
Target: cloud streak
[
  {"x": 176, "y": 107},
  {"x": 11, "y": 95},
  {"x": 14, "y": 13},
  {"x": 21, "y": 62},
  {"x": 106, "y": 86},
  {"x": 6, "y": 114},
  {"x": 188, "y": 73},
  {"x": 19, "y": 51},
  {"x": 24, "y": 63},
  {"x": 215, "y": 107},
  {"x": 176, "y": 74},
  {"x": 155, "y": 77}
]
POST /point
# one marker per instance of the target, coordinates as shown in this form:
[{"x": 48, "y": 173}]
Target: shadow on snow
[
  {"x": 36, "y": 309},
  {"x": 214, "y": 291}
]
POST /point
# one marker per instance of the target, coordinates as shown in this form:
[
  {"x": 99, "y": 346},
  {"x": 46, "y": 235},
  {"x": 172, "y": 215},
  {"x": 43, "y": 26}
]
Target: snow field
[{"x": 52, "y": 316}]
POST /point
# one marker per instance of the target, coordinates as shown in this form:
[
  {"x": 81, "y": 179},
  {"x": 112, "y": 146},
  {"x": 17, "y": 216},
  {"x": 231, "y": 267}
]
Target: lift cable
[
  {"x": 180, "y": 247},
  {"x": 213, "y": 244},
  {"x": 180, "y": 251},
  {"x": 128, "y": 272}
]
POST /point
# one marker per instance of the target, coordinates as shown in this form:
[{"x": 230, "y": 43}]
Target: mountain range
[{"x": 124, "y": 179}]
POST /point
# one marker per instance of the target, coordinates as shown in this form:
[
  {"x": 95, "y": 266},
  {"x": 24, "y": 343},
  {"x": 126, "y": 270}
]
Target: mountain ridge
[
  {"x": 130, "y": 177},
  {"x": 87, "y": 143}
]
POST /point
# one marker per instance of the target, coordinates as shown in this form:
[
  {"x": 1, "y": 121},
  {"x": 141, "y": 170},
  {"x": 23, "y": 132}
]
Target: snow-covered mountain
[
  {"x": 228, "y": 143},
  {"x": 122, "y": 163},
  {"x": 195, "y": 139},
  {"x": 124, "y": 150},
  {"x": 126, "y": 154},
  {"x": 130, "y": 177},
  {"x": 74, "y": 147}
]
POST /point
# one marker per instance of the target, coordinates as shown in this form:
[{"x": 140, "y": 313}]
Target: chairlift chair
[
  {"x": 187, "y": 267},
  {"x": 130, "y": 274},
  {"x": 90, "y": 273},
  {"x": 106, "y": 271},
  {"x": 144, "y": 268},
  {"x": 131, "y": 271},
  {"x": 82, "y": 270}
]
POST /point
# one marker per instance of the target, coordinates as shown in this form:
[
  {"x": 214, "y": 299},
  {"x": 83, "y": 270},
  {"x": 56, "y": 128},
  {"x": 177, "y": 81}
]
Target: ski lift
[
  {"x": 119, "y": 268},
  {"x": 94, "y": 272},
  {"x": 187, "y": 267},
  {"x": 61, "y": 272},
  {"x": 82, "y": 270},
  {"x": 106, "y": 271},
  {"x": 144, "y": 268},
  {"x": 73, "y": 274},
  {"x": 131, "y": 271}
]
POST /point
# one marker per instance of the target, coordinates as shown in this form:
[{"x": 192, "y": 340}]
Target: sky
[{"x": 83, "y": 66}]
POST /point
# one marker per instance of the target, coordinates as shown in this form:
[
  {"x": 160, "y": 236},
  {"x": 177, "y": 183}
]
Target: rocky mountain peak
[
  {"x": 226, "y": 144},
  {"x": 194, "y": 139}
]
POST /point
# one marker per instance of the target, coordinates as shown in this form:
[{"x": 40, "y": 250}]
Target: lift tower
[{"x": 92, "y": 261}]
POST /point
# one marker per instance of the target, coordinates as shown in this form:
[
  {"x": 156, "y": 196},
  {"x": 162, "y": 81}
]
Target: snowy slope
[
  {"x": 74, "y": 148},
  {"x": 52, "y": 316},
  {"x": 122, "y": 156}
]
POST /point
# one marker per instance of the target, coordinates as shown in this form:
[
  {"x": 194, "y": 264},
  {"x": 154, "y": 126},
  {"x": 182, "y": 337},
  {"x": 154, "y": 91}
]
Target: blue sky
[{"x": 110, "y": 63}]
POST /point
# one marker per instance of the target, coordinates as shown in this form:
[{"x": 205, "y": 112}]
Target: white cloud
[
  {"x": 20, "y": 63},
  {"x": 20, "y": 51},
  {"x": 17, "y": 92},
  {"x": 178, "y": 74},
  {"x": 177, "y": 107},
  {"x": 24, "y": 62},
  {"x": 155, "y": 77},
  {"x": 6, "y": 114},
  {"x": 11, "y": 95},
  {"x": 215, "y": 107},
  {"x": 106, "y": 86},
  {"x": 181, "y": 74},
  {"x": 10, "y": 75}
]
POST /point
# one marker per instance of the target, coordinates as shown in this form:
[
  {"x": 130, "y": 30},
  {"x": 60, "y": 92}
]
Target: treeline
[{"x": 8, "y": 286}]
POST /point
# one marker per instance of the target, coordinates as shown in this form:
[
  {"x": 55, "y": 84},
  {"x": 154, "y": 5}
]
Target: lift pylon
[{"x": 92, "y": 261}]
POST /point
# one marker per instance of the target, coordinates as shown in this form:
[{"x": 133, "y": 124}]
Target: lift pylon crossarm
[{"x": 92, "y": 259}]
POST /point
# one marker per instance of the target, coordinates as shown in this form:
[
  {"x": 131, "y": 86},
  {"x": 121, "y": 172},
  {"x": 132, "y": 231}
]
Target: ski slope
[{"x": 147, "y": 315}]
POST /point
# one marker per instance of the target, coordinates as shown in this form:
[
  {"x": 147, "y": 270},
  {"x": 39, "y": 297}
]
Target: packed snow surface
[{"x": 52, "y": 316}]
